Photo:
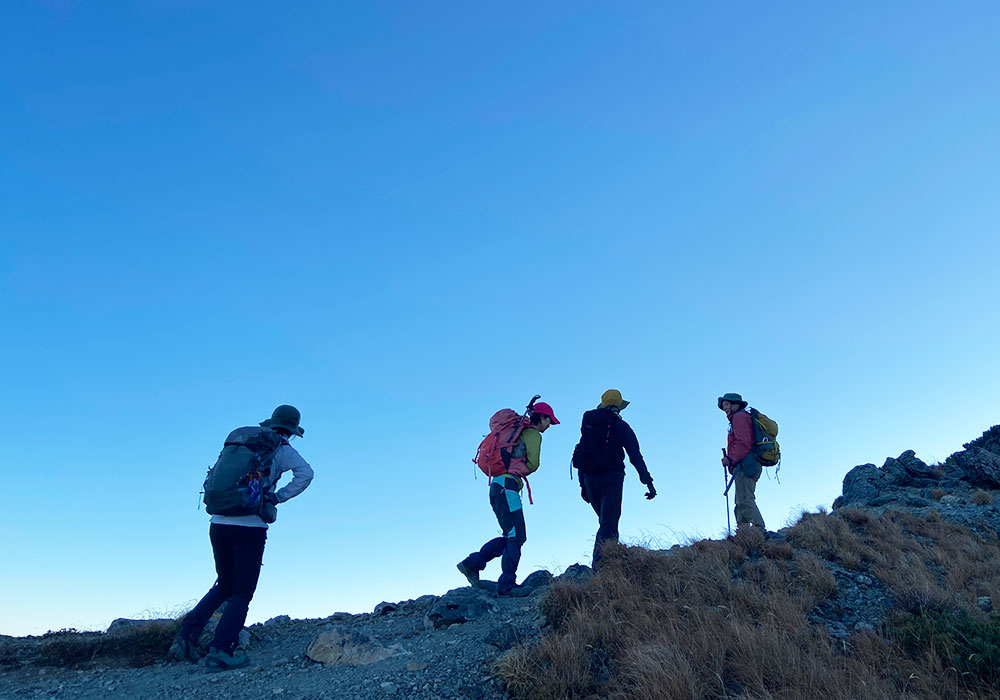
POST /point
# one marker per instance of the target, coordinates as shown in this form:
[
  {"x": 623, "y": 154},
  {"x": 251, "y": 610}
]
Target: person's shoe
[
  {"x": 183, "y": 649},
  {"x": 469, "y": 573},
  {"x": 218, "y": 660},
  {"x": 514, "y": 592}
]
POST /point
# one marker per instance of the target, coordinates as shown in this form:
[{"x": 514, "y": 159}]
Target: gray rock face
[
  {"x": 980, "y": 467},
  {"x": 344, "y": 647},
  {"x": 868, "y": 485},
  {"x": 861, "y": 486},
  {"x": 538, "y": 579},
  {"x": 385, "y": 608},
  {"x": 458, "y": 606},
  {"x": 989, "y": 441}
]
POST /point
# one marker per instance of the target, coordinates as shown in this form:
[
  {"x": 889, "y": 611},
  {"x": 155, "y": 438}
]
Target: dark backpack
[
  {"x": 244, "y": 472},
  {"x": 598, "y": 449}
]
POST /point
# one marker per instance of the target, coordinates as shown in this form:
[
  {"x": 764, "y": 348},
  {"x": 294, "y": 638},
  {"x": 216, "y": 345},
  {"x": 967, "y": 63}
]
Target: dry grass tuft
[
  {"x": 981, "y": 497},
  {"x": 728, "y": 619},
  {"x": 938, "y": 494},
  {"x": 143, "y": 647}
]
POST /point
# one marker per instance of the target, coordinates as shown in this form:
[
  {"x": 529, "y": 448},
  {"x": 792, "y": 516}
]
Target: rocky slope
[{"x": 446, "y": 647}]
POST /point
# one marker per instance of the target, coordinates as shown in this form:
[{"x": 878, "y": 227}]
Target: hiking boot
[
  {"x": 469, "y": 573},
  {"x": 218, "y": 660},
  {"x": 514, "y": 592},
  {"x": 183, "y": 649}
]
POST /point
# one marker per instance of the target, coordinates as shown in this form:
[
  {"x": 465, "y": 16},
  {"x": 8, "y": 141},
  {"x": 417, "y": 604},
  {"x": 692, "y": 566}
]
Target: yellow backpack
[{"x": 765, "y": 433}]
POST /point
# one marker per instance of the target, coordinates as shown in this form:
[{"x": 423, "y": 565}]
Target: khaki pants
[{"x": 746, "y": 510}]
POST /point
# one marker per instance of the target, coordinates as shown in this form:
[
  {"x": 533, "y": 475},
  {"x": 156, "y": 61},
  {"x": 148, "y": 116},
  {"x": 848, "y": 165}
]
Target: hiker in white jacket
[{"x": 238, "y": 543}]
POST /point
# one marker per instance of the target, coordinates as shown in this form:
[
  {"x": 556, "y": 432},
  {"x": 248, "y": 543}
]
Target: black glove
[
  {"x": 271, "y": 497},
  {"x": 651, "y": 492}
]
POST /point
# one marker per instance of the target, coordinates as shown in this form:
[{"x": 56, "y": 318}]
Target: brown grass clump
[
  {"x": 981, "y": 497},
  {"x": 938, "y": 494},
  {"x": 728, "y": 619}
]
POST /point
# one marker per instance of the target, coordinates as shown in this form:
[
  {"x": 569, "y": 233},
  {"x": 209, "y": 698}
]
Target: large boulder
[
  {"x": 914, "y": 466},
  {"x": 537, "y": 579},
  {"x": 458, "y": 606},
  {"x": 979, "y": 466},
  {"x": 123, "y": 627},
  {"x": 342, "y": 647},
  {"x": 868, "y": 485},
  {"x": 861, "y": 486}
]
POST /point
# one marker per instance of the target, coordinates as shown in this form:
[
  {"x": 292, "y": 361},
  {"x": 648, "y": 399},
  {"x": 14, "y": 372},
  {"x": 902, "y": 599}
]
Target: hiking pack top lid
[
  {"x": 544, "y": 409},
  {"x": 287, "y": 417},
  {"x": 733, "y": 398},
  {"x": 612, "y": 398}
]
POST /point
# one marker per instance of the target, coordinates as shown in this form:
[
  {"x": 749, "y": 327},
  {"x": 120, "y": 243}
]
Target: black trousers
[
  {"x": 604, "y": 493},
  {"x": 238, "y": 552}
]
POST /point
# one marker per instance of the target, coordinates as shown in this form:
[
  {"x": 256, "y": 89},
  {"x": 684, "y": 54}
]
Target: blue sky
[{"x": 402, "y": 217}]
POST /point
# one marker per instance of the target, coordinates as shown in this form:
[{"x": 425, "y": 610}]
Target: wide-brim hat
[
  {"x": 612, "y": 398},
  {"x": 734, "y": 398},
  {"x": 286, "y": 417}
]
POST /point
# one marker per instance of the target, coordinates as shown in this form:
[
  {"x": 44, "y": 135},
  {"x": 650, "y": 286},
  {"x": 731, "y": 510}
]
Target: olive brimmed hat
[
  {"x": 733, "y": 398},
  {"x": 286, "y": 417},
  {"x": 612, "y": 398}
]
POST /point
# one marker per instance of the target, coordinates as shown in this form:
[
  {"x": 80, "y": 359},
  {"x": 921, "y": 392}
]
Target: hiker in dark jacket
[
  {"x": 605, "y": 438},
  {"x": 505, "y": 499},
  {"x": 740, "y": 460},
  {"x": 238, "y": 548}
]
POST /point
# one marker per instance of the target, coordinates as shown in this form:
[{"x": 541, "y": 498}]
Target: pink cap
[{"x": 544, "y": 409}]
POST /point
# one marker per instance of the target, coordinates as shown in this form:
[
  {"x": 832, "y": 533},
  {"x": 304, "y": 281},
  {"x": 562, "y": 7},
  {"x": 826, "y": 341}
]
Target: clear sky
[{"x": 401, "y": 217}]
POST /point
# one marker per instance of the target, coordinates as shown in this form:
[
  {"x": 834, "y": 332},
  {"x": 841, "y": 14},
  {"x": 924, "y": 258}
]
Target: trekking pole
[{"x": 728, "y": 482}]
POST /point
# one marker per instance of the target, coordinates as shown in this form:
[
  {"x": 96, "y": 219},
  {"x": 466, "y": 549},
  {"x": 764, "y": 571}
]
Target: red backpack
[{"x": 493, "y": 456}]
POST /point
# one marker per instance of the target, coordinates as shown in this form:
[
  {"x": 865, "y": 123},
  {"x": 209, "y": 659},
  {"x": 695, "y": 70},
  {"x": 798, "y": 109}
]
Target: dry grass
[
  {"x": 143, "y": 647},
  {"x": 981, "y": 497},
  {"x": 938, "y": 494},
  {"x": 728, "y": 619}
]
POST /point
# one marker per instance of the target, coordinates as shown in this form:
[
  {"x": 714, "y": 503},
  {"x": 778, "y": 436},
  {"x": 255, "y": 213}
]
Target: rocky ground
[
  {"x": 432, "y": 647},
  {"x": 445, "y": 647}
]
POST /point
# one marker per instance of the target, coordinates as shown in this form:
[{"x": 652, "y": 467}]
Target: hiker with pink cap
[{"x": 508, "y": 455}]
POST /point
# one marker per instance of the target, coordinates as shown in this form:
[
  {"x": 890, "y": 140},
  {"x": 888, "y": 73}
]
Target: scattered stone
[
  {"x": 388, "y": 688},
  {"x": 416, "y": 666},
  {"x": 985, "y": 603}
]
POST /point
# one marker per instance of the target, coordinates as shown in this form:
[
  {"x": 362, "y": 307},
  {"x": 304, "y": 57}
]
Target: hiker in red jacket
[{"x": 741, "y": 461}]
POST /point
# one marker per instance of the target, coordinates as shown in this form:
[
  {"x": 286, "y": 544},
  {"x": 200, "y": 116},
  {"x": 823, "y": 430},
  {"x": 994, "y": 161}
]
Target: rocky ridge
[{"x": 438, "y": 647}]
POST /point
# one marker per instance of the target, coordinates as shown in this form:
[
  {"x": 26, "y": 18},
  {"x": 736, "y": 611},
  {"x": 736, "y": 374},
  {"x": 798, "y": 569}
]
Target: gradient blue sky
[{"x": 401, "y": 217}]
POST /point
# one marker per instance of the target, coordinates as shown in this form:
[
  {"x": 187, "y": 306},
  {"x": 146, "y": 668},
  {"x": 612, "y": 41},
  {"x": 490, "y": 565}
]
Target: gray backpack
[{"x": 244, "y": 472}]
